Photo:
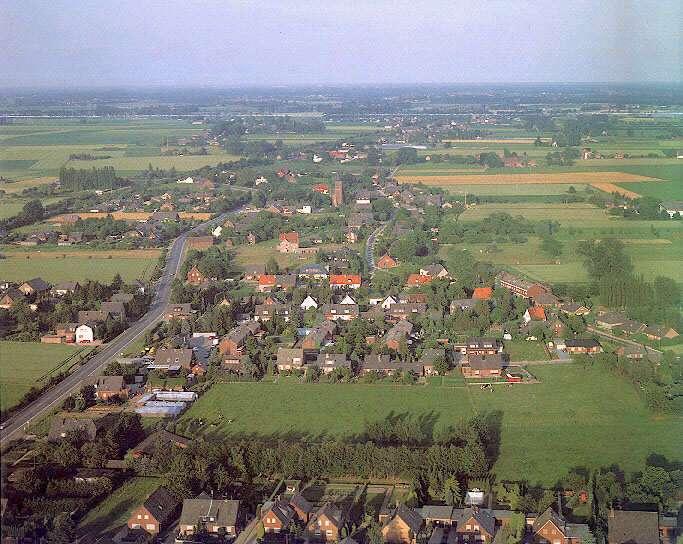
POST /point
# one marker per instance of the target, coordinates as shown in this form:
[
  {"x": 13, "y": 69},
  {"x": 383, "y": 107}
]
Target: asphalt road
[{"x": 14, "y": 426}]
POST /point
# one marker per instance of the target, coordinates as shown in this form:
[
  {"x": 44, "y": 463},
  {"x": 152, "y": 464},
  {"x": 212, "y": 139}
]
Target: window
[
  {"x": 151, "y": 527},
  {"x": 146, "y": 516},
  {"x": 139, "y": 516}
]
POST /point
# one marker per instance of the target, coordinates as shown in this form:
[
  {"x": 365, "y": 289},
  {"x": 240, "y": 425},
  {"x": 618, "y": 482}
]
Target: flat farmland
[
  {"x": 39, "y": 148},
  {"x": 263, "y": 251},
  {"x": 534, "y": 418},
  {"x": 578, "y": 214},
  {"x": 509, "y": 189},
  {"x": 524, "y": 178},
  {"x": 66, "y": 264},
  {"x": 24, "y": 364}
]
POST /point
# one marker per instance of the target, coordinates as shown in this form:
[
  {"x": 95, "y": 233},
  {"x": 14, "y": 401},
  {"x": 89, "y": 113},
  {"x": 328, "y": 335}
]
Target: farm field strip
[
  {"x": 543, "y": 178},
  {"x": 612, "y": 188}
]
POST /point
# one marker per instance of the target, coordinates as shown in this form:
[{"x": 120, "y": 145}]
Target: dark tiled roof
[
  {"x": 633, "y": 527},
  {"x": 161, "y": 504}
]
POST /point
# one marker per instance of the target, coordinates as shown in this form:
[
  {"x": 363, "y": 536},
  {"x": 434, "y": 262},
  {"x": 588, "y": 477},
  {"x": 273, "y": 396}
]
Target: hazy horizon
[{"x": 222, "y": 45}]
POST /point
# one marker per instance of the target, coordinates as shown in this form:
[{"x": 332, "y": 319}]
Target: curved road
[{"x": 15, "y": 424}]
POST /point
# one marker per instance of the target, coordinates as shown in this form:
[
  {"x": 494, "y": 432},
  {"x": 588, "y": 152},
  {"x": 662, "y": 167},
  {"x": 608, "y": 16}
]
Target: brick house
[
  {"x": 477, "y": 524},
  {"x": 386, "y": 261},
  {"x": 519, "y": 286},
  {"x": 483, "y": 346},
  {"x": 582, "y": 345},
  {"x": 10, "y": 297},
  {"x": 233, "y": 343},
  {"x": 534, "y": 313},
  {"x": 404, "y": 310},
  {"x": 326, "y": 523},
  {"x": 277, "y": 516},
  {"x": 482, "y": 366},
  {"x": 155, "y": 513},
  {"x": 108, "y": 387},
  {"x": 195, "y": 277},
  {"x": 289, "y": 242},
  {"x": 402, "y": 527},
  {"x": 302, "y": 508},
  {"x": 215, "y": 516},
  {"x": 266, "y": 312},
  {"x": 319, "y": 336},
  {"x": 551, "y": 527}
]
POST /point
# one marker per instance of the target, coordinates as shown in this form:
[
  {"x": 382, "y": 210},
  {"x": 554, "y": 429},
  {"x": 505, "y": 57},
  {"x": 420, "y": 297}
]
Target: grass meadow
[
  {"x": 64, "y": 264},
  {"x": 24, "y": 364},
  {"x": 539, "y": 441}
]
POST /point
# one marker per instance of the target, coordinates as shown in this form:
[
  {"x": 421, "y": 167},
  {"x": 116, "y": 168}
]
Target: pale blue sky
[{"x": 235, "y": 43}]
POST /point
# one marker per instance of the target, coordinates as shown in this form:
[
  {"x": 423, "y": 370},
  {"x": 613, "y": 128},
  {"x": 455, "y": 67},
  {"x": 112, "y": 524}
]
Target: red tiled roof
[
  {"x": 292, "y": 237},
  {"x": 537, "y": 313},
  {"x": 418, "y": 279},
  {"x": 266, "y": 279},
  {"x": 482, "y": 293},
  {"x": 345, "y": 279}
]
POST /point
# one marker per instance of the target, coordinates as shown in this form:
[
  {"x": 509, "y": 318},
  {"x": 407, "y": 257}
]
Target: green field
[
  {"x": 540, "y": 441},
  {"x": 523, "y": 350},
  {"x": 36, "y": 148},
  {"x": 79, "y": 266},
  {"x": 23, "y": 364},
  {"x": 113, "y": 512}
]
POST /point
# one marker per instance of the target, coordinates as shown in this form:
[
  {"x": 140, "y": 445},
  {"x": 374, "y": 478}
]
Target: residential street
[{"x": 48, "y": 400}]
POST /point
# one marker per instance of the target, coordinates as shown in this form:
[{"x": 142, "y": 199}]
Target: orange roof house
[
  {"x": 482, "y": 293},
  {"x": 415, "y": 280},
  {"x": 345, "y": 280},
  {"x": 291, "y": 237},
  {"x": 534, "y": 313},
  {"x": 266, "y": 282},
  {"x": 322, "y": 188},
  {"x": 386, "y": 261}
]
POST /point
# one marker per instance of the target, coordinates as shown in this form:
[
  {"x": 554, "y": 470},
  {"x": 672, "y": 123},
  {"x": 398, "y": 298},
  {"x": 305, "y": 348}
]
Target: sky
[{"x": 214, "y": 43}]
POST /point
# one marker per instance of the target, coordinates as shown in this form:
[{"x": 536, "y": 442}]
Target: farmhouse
[
  {"x": 36, "y": 286},
  {"x": 266, "y": 312},
  {"x": 519, "y": 286},
  {"x": 319, "y": 337},
  {"x": 574, "y": 308},
  {"x": 403, "y": 310},
  {"x": 64, "y": 288},
  {"x": 252, "y": 272},
  {"x": 289, "y": 242},
  {"x": 62, "y": 426},
  {"x": 109, "y": 387},
  {"x": 215, "y": 516},
  {"x": 534, "y": 313},
  {"x": 483, "y": 346},
  {"x": 658, "y": 332},
  {"x": 155, "y": 513},
  {"x": 302, "y": 508},
  {"x": 551, "y": 527},
  {"x": 313, "y": 271},
  {"x": 672, "y": 208},
  {"x": 92, "y": 316},
  {"x": 462, "y": 304},
  {"x": 84, "y": 334}
]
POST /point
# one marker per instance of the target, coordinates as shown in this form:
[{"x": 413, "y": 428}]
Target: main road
[{"x": 14, "y": 426}]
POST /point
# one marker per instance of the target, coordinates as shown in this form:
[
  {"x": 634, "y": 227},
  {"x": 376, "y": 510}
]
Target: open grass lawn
[
  {"x": 113, "y": 512},
  {"x": 53, "y": 266},
  {"x": 263, "y": 251},
  {"x": 522, "y": 350},
  {"x": 575, "y": 417},
  {"x": 24, "y": 364},
  {"x": 513, "y": 190}
]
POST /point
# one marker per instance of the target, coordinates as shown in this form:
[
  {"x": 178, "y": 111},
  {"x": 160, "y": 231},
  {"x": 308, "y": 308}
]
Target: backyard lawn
[
  {"x": 539, "y": 441},
  {"x": 115, "y": 509},
  {"x": 24, "y": 364}
]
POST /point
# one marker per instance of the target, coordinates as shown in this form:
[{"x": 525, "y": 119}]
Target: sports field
[
  {"x": 64, "y": 264},
  {"x": 25, "y": 364},
  {"x": 539, "y": 440}
]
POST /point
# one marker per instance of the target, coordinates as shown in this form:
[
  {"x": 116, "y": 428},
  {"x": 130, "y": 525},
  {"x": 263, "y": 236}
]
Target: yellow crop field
[
  {"x": 553, "y": 177},
  {"x": 130, "y": 216},
  {"x": 498, "y": 141},
  {"x": 611, "y": 188}
]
